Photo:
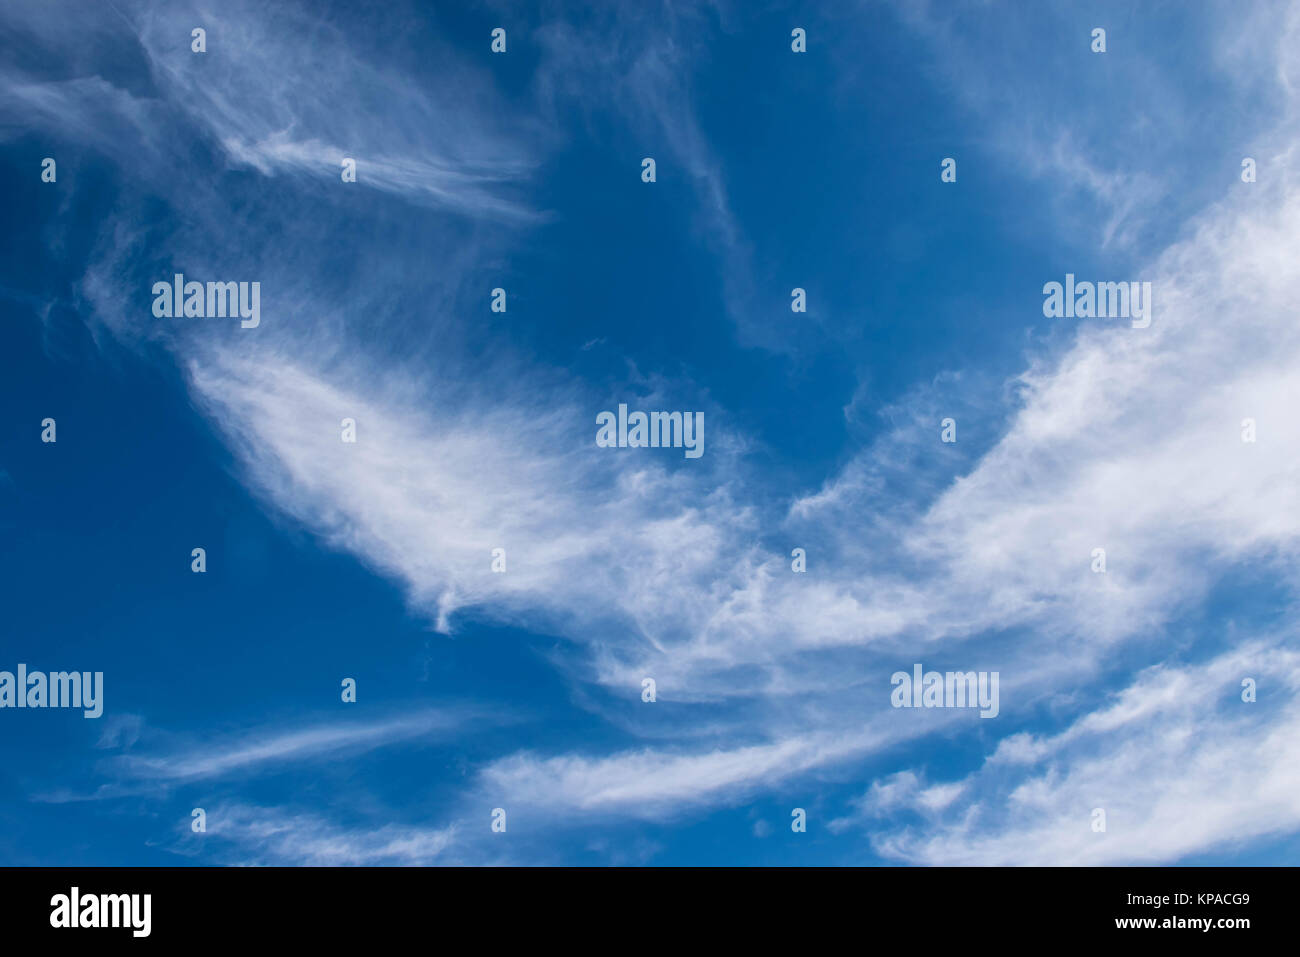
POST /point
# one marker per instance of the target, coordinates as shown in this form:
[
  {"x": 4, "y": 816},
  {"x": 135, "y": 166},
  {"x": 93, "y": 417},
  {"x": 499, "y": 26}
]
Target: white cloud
[
  {"x": 1124, "y": 439},
  {"x": 282, "y": 103},
  {"x": 260, "y": 836},
  {"x": 1177, "y": 760},
  {"x": 260, "y": 749},
  {"x": 1129, "y": 440}
]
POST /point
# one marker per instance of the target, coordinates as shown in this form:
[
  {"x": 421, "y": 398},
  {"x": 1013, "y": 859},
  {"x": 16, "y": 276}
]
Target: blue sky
[{"x": 476, "y": 430}]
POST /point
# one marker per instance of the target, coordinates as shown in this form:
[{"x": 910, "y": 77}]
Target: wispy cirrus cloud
[
  {"x": 281, "y": 105},
  {"x": 151, "y": 761},
  {"x": 260, "y": 749},
  {"x": 250, "y": 835},
  {"x": 1106, "y": 136},
  {"x": 1118, "y": 443},
  {"x": 1119, "y": 438},
  {"x": 1177, "y": 760}
]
